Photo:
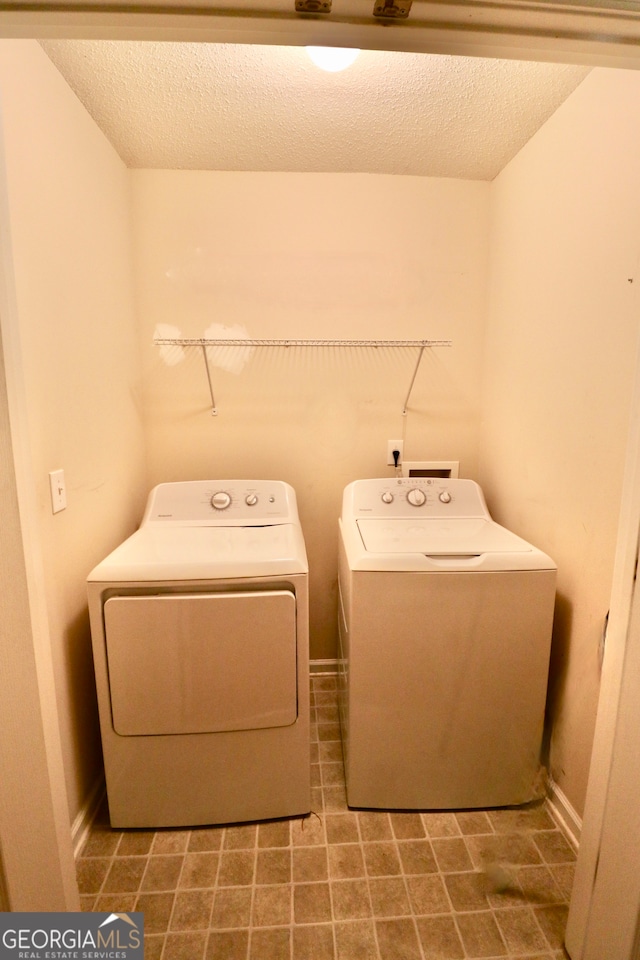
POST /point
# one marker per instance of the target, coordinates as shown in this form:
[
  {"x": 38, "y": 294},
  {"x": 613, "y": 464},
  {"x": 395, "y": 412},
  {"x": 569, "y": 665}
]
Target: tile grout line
[
  {"x": 253, "y": 885},
  {"x": 171, "y": 912},
  {"x": 215, "y": 891},
  {"x": 404, "y": 875},
  {"x": 368, "y": 882}
]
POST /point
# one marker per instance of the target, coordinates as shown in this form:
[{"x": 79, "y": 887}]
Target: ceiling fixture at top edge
[{"x": 333, "y": 59}]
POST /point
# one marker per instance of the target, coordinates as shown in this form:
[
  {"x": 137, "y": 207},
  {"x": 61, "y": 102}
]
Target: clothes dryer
[
  {"x": 200, "y": 635},
  {"x": 445, "y": 622}
]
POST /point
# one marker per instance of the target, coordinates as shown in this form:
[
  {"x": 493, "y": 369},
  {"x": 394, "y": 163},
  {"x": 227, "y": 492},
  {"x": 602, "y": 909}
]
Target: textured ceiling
[{"x": 248, "y": 107}]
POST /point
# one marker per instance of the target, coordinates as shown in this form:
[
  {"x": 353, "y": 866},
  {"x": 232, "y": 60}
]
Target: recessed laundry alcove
[{"x": 528, "y": 273}]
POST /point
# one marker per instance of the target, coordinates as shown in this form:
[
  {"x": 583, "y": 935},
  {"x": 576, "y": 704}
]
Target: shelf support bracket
[
  {"x": 413, "y": 379},
  {"x": 214, "y": 411}
]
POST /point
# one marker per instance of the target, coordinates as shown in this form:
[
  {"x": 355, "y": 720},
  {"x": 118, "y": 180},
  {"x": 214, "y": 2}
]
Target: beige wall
[
  {"x": 70, "y": 221},
  {"x": 37, "y": 871},
  {"x": 559, "y": 363},
  {"x": 310, "y": 256}
]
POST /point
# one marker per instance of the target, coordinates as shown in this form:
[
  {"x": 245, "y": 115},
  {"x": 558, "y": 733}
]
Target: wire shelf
[
  {"x": 245, "y": 342},
  {"x": 205, "y": 342}
]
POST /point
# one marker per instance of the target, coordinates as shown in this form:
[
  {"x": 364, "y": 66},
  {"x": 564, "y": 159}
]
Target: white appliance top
[
  {"x": 429, "y": 523},
  {"x": 211, "y": 529}
]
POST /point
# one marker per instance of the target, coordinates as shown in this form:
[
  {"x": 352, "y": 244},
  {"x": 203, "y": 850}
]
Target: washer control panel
[
  {"x": 222, "y": 503},
  {"x": 414, "y": 496}
]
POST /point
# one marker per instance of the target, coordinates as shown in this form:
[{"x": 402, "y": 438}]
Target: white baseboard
[
  {"x": 564, "y": 814},
  {"x": 322, "y": 666},
  {"x": 82, "y": 823}
]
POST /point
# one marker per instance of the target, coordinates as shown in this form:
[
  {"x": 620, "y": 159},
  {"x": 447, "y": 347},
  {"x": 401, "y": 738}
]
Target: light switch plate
[{"x": 58, "y": 491}]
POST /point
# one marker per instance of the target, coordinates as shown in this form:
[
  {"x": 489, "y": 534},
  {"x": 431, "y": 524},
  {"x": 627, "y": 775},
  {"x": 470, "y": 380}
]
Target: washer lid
[
  {"x": 439, "y": 538},
  {"x": 172, "y": 552},
  {"x": 437, "y": 546}
]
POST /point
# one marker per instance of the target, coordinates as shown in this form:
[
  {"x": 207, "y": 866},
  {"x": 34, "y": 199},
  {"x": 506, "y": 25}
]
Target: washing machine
[
  {"x": 199, "y": 625},
  {"x": 445, "y": 622}
]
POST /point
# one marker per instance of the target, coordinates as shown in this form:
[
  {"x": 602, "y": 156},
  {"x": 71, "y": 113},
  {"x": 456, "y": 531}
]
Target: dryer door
[{"x": 201, "y": 663}]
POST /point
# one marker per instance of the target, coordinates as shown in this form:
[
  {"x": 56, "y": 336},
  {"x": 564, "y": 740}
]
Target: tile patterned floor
[{"x": 340, "y": 884}]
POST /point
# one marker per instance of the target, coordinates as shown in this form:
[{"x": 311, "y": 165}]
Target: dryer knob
[
  {"x": 251, "y": 499},
  {"x": 387, "y": 497},
  {"x": 416, "y": 497},
  {"x": 220, "y": 500},
  {"x": 445, "y": 496}
]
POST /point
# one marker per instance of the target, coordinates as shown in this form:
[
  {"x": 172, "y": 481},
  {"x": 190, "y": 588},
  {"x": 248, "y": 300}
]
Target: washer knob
[
  {"x": 445, "y": 497},
  {"x": 220, "y": 500},
  {"x": 416, "y": 497},
  {"x": 251, "y": 499},
  {"x": 387, "y": 497}
]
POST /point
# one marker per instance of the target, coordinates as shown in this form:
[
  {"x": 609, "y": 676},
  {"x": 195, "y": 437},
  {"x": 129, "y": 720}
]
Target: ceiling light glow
[{"x": 332, "y": 59}]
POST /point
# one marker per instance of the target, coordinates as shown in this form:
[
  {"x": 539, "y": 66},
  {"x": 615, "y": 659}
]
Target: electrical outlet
[
  {"x": 58, "y": 491},
  {"x": 391, "y": 446}
]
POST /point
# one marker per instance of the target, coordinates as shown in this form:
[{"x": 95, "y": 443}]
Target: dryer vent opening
[{"x": 443, "y": 469}]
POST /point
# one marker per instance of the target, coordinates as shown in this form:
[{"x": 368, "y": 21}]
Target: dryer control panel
[
  {"x": 222, "y": 503},
  {"x": 414, "y": 496}
]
